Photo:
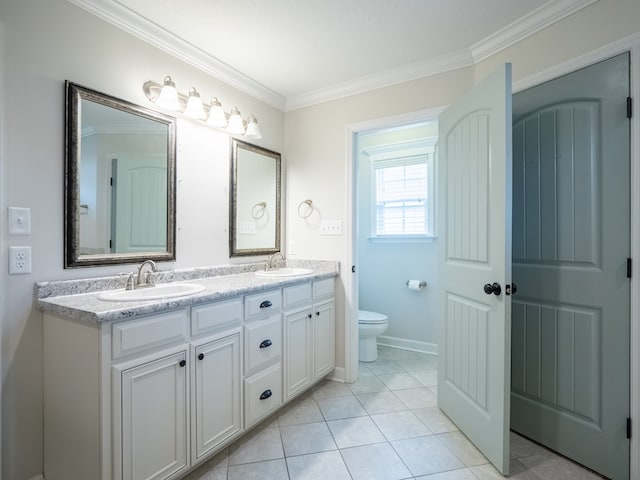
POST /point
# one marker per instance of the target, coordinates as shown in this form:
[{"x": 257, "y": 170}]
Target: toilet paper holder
[{"x": 421, "y": 284}]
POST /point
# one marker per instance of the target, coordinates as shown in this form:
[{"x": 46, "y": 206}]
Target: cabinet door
[
  {"x": 153, "y": 419},
  {"x": 325, "y": 338},
  {"x": 216, "y": 393},
  {"x": 298, "y": 370}
]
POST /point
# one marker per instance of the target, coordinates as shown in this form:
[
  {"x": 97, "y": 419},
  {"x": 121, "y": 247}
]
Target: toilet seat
[{"x": 371, "y": 318}]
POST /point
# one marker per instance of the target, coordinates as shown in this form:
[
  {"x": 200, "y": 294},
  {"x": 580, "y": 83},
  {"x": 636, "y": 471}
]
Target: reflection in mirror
[
  {"x": 254, "y": 217},
  {"x": 119, "y": 181}
]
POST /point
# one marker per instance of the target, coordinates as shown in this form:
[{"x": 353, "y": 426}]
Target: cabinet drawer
[
  {"x": 262, "y": 343},
  {"x": 323, "y": 289},
  {"x": 262, "y": 304},
  {"x": 262, "y": 394},
  {"x": 136, "y": 336},
  {"x": 216, "y": 316},
  {"x": 296, "y": 296}
]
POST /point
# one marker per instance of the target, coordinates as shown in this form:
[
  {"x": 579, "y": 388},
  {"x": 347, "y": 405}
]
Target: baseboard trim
[
  {"x": 337, "y": 375},
  {"x": 413, "y": 345}
]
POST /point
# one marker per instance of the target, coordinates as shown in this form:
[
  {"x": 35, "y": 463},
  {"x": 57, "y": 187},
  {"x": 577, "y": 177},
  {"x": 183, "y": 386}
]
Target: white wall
[{"x": 44, "y": 43}]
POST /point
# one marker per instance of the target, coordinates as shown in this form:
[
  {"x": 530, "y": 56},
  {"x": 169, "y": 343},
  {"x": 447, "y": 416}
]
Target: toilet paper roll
[{"x": 414, "y": 285}]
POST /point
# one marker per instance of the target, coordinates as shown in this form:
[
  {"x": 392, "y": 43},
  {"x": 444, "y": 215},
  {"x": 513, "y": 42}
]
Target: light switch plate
[
  {"x": 331, "y": 227},
  {"x": 19, "y": 221}
]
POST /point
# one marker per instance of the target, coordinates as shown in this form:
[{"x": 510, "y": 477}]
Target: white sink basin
[
  {"x": 165, "y": 290},
  {"x": 284, "y": 272}
]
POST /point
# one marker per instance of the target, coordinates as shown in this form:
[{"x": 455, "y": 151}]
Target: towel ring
[
  {"x": 257, "y": 211},
  {"x": 309, "y": 205}
]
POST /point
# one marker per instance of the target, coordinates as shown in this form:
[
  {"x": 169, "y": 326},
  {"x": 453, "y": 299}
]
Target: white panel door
[
  {"x": 139, "y": 203},
  {"x": 153, "y": 419},
  {"x": 474, "y": 162}
]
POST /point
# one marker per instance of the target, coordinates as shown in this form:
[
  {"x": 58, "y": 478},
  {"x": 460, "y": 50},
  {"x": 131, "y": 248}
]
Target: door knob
[{"x": 492, "y": 288}]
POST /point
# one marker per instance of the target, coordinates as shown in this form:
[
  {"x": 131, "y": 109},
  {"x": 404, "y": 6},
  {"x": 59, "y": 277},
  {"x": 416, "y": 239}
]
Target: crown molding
[
  {"x": 542, "y": 17},
  {"x": 125, "y": 19},
  {"x": 387, "y": 78}
]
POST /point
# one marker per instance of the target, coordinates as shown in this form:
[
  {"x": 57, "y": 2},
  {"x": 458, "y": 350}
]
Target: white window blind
[{"x": 402, "y": 197}]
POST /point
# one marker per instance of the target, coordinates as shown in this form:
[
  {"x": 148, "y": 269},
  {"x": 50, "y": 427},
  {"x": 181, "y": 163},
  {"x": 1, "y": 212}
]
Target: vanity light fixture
[
  {"x": 195, "y": 109},
  {"x": 166, "y": 96},
  {"x": 236, "y": 124}
]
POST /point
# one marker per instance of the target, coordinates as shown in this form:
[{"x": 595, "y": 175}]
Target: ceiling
[{"x": 293, "y": 53}]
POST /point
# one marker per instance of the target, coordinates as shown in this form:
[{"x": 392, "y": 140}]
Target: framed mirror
[
  {"x": 254, "y": 204},
  {"x": 119, "y": 181}
]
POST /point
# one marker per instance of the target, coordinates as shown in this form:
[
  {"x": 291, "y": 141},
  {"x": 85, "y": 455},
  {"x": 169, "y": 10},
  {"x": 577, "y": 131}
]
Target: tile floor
[{"x": 386, "y": 426}]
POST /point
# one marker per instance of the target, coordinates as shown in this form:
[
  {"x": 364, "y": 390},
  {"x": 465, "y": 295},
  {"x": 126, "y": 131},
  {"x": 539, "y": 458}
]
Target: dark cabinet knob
[
  {"x": 266, "y": 343},
  {"x": 309, "y": 316},
  {"x": 492, "y": 288},
  {"x": 266, "y": 304},
  {"x": 266, "y": 394},
  {"x": 201, "y": 356},
  {"x": 182, "y": 363},
  {"x": 317, "y": 314}
]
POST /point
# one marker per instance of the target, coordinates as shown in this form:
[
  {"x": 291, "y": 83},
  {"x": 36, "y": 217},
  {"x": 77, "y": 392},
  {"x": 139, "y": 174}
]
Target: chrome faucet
[
  {"x": 145, "y": 269},
  {"x": 271, "y": 261}
]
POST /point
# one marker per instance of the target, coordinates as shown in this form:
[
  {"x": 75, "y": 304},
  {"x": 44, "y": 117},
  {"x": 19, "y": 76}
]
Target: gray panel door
[{"x": 571, "y": 241}]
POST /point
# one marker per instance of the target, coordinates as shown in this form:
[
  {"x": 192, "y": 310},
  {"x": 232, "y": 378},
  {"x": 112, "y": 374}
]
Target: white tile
[
  {"x": 273, "y": 470},
  {"x": 367, "y": 384},
  {"x": 261, "y": 445},
  {"x": 340, "y": 407},
  {"x": 415, "y": 364},
  {"x": 381, "y": 402},
  {"x": 516, "y": 471},
  {"x": 522, "y": 447},
  {"x": 462, "y": 448},
  {"x": 374, "y": 462},
  {"x": 415, "y": 398},
  {"x": 435, "y": 420},
  {"x": 398, "y": 381},
  {"x": 556, "y": 468},
  {"x": 426, "y": 455},
  {"x": 399, "y": 425},
  {"x": 385, "y": 366},
  {"x": 461, "y": 474},
  {"x": 353, "y": 432},
  {"x": 307, "y": 438},
  {"x": 428, "y": 378},
  {"x": 305, "y": 410},
  {"x": 329, "y": 388},
  {"x": 318, "y": 466}
]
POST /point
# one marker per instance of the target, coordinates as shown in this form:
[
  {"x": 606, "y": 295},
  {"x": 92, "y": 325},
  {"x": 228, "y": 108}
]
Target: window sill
[{"x": 403, "y": 239}]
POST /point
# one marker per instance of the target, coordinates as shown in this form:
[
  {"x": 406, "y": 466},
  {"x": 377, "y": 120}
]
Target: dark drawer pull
[
  {"x": 266, "y": 343},
  {"x": 201, "y": 356},
  {"x": 266, "y": 394},
  {"x": 182, "y": 363},
  {"x": 266, "y": 304}
]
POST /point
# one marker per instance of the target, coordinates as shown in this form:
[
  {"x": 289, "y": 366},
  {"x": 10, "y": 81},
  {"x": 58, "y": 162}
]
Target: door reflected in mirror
[
  {"x": 120, "y": 181},
  {"x": 254, "y": 199}
]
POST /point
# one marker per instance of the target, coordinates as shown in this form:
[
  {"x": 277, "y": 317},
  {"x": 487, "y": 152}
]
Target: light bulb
[{"x": 168, "y": 97}]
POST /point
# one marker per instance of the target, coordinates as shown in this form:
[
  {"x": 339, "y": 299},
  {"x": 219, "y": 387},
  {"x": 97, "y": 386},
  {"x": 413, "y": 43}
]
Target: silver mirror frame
[
  {"x": 74, "y": 94},
  {"x": 234, "y": 251}
]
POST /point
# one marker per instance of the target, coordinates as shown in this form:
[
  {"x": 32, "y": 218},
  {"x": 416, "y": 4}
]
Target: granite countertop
[{"x": 78, "y": 299}]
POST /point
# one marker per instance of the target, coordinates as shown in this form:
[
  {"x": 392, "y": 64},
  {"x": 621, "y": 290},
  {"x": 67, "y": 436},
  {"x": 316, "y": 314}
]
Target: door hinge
[
  {"x": 628, "y": 268},
  {"x": 629, "y": 427},
  {"x": 110, "y": 245},
  {"x": 111, "y": 181},
  {"x": 629, "y": 107}
]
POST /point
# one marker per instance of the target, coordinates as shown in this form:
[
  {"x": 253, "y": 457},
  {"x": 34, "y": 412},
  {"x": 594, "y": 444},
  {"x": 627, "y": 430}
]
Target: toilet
[{"x": 370, "y": 325}]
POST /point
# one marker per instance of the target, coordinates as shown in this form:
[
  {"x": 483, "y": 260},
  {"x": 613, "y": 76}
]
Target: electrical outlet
[
  {"x": 331, "y": 227},
  {"x": 19, "y": 260}
]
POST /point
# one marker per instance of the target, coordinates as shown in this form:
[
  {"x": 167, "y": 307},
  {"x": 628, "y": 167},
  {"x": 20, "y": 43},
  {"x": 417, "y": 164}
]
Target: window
[{"x": 402, "y": 191}]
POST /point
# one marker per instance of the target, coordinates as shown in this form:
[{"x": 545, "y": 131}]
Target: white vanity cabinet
[
  {"x": 151, "y": 397},
  {"x": 262, "y": 355},
  {"x": 216, "y": 387},
  {"x": 150, "y": 417},
  {"x": 309, "y": 330}
]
